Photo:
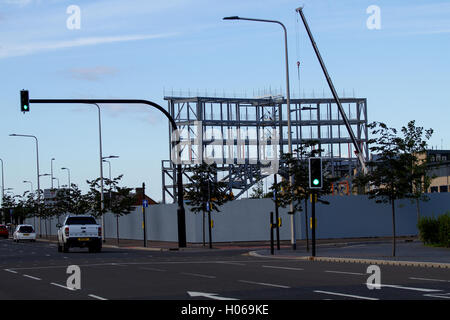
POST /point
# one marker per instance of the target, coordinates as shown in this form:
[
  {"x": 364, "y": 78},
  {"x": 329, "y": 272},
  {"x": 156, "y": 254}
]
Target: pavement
[{"x": 410, "y": 251}]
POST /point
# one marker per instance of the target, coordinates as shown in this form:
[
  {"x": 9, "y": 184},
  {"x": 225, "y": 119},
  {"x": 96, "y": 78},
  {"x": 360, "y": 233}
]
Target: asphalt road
[{"x": 37, "y": 271}]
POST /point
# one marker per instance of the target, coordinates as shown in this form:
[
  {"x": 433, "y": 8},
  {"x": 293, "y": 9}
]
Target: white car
[{"x": 24, "y": 232}]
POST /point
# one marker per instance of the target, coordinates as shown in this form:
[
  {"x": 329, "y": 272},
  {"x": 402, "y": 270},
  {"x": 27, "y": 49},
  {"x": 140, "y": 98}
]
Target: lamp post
[
  {"x": 68, "y": 175},
  {"x": 37, "y": 174},
  {"x": 3, "y": 185},
  {"x": 288, "y": 102},
  {"x": 109, "y": 167},
  {"x": 31, "y": 185},
  {"x": 51, "y": 168},
  {"x": 110, "y": 194},
  {"x": 57, "y": 179}
]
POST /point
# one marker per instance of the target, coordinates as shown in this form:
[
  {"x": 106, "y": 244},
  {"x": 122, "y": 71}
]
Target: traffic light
[
  {"x": 24, "y": 101},
  {"x": 315, "y": 173}
]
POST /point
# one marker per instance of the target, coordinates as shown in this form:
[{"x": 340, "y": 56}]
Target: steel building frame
[{"x": 245, "y": 121}]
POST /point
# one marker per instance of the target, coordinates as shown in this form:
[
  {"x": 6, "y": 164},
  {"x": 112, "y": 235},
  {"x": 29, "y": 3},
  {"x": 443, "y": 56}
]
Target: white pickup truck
[{"x": 79, "y": 231}]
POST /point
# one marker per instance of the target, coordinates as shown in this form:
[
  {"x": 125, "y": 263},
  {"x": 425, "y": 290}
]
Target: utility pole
[{"x": 144, "y": 225}]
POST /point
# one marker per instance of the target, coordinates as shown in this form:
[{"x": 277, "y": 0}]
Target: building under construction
[{"x": 242, "y": 135}]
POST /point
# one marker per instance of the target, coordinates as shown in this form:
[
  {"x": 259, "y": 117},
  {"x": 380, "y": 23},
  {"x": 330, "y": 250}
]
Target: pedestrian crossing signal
[{"x": 24, "y": 101}]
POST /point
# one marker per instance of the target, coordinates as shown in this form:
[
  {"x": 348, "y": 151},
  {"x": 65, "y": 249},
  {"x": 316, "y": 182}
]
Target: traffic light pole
[
  {"x": 181, "y": 219},
  {"x": 313, "y": 223}
]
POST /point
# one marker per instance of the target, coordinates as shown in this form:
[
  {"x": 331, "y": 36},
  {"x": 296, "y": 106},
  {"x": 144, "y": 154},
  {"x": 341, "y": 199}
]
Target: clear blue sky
[{"x": 139, "y": 48}]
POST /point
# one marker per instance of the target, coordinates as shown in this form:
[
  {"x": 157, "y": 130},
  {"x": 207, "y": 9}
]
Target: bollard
[{"x": 271, "y": 233}]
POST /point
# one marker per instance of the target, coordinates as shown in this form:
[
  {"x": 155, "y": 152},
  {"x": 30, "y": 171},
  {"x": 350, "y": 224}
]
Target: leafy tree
[
  {"x": 205, "y": 194},
  {"x": 121, "y": 202},
  {"x": 8, "y": 204},
  {"x": 397, "y": 170},
  {"x": 298, "y": 167},
  {"x": 258, "y": 191}
]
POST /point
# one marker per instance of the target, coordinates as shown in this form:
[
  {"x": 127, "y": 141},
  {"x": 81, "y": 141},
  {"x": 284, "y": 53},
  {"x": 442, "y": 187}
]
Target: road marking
[
  {"x": 232, "y": 263},
  {"x": 153, "y": 269},
  {"x": 284, "y": 268},
  {"x": 208, "y": 295},
  {"x": 345, "y": 295},
  {"x": 61, "y": 286},
  {"x": 12, "y": 271},
  {"x": 438, "y": 295},
  {"x": 31, "y": 277},
  {"x": 345, "y": 272},
  {"x": 440, "y": 280},
  {"x": 265, "y": 284},
  {"x": 198, "y": 275},
  {"x": 402, "y": 287},
  {"x": 96, "y": 297}
]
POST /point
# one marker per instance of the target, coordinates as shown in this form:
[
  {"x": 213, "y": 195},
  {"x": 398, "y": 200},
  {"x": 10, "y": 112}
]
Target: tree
[
  {"x": 258, "y": 191},
  {"x": 299, "y": 192},
  {"x": 397, "y": 170},
  {"x": 414, "y": 146},
  {"x": 206, "y": 194},
  {"x": 122, "y": 201}
]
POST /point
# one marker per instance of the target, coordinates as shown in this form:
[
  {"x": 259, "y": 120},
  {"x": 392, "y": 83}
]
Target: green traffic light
[
  {"x": 25, "y": 107},
  {"x": 316, "y": 182}
]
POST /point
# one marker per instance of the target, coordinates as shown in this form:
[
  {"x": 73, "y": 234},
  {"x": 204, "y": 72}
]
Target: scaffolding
[{"x": 243, "y": 136}]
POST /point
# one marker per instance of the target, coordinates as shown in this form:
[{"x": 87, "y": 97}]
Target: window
[
  {"x": 434, "y": 189},
  {"x": 26, "y": 229},
  {"x": 80, "y": 220},
  {"x": 443, "y": 189}
]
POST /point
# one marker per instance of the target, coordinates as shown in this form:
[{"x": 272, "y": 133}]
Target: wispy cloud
[
  {"x": 32, "y": 48},
  {"x": 92, "y": 73}
]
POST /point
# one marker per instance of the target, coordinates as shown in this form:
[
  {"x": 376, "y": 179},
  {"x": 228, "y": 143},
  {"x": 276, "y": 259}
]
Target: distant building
[
  {"x": 439, "y": 162},
  {"x": 140, "y": 197}
]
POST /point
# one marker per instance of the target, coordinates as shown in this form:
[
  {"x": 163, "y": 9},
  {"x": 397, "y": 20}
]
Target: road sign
[{"x": 145, "y": 203}]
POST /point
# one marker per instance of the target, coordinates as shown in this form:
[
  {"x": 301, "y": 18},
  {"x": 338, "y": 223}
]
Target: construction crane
[{"x": 358, "y": 151}]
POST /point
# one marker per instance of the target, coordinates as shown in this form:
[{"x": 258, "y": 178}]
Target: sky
[{"x": 145, "y": 49}]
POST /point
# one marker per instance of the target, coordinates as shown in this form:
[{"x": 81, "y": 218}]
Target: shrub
[
  {"x": 428, "y": 230},
  {"x": 435, "y": 230},
  {"x": 444, "y": 229}
]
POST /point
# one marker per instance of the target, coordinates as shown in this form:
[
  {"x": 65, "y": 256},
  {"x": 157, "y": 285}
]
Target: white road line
[
  {"x": 31, "y": 277},
  {"x": 425, "y": 279},
  {"x": 153, "y": 269},
  {"x": 284, "y": 268},
  {"x": 345, "y": 272},
  {"x": 405, "y": 288},
  {"x": 61, "y": 286},
  {"x": 232, "y": 263},
  {"x": 96, "y": 297},
  {"x": 12, "y": 271},
  {"x": 198, "y": 275},
  {"x": 438, "y": 295},
  {"x": 265, "y": 284},
  {"x": 345, "y": 295}
]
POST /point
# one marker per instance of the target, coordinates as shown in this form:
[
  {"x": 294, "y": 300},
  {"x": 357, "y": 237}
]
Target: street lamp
[
  {"x": 68, "y": 174},
  {"x": 37, "y": 174},
  {"x": 3, "y": 183},
  {"x": 288, "y": 102},
  {"x": 31, "y": 185},
  {"x": 57, "y": 179},
  {"x": 51, "y": 168}
]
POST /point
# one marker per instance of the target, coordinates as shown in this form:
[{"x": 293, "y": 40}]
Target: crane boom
[{"x": 333, "y": 90}]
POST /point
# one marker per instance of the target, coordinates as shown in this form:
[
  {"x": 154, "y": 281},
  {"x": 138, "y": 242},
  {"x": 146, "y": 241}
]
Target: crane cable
[{"x": 297, "y": 43}]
